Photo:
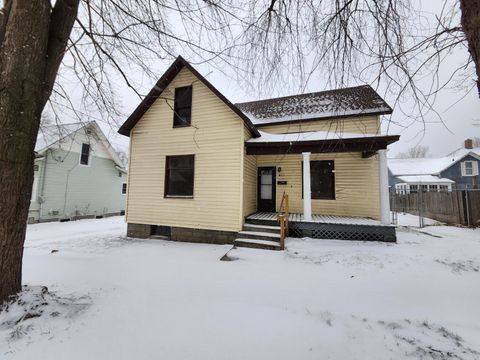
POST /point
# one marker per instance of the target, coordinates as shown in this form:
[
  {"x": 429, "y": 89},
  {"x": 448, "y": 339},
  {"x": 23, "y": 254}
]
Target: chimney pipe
[{"x": 468, "y": 144}]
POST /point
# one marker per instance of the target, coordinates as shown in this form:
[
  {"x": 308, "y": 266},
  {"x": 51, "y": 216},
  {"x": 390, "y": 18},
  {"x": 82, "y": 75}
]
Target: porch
[{"x": 329, "y": 226}]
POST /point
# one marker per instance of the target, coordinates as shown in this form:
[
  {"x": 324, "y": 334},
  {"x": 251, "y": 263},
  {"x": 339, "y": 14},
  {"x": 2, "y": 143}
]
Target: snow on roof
[
  {"x": 428, "y": 166},
  {"x": 425, "y": 179},
  {"x": 360, "y": 100},
  {"x": 49, "y": 135},
  {"x": 308, "y": 136}
]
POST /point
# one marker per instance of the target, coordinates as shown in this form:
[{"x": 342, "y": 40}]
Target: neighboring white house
[
  {"x": 458, "y": 170},
  {"x": 411, "y": 184},
  {"x": 77, "y": 174}
]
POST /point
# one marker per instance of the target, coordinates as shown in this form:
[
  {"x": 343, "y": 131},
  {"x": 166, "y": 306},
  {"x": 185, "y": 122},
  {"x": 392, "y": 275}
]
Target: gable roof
[
  {"x": 49, "y": 135},
  {"x": 347, "y": 102},
  {"x": 166, "y": 78},
  {"x": 428, "y": 166}
]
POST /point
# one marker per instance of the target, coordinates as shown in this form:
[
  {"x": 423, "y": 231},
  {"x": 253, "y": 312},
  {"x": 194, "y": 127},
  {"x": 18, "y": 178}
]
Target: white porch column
[
  {"x": 307, "y": 188},
  {"x": 384, "y": 196}
]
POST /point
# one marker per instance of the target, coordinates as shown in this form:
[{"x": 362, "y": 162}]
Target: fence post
[
  {"x": 468, "y": 207},
  {"x": 420, "y": 207}
]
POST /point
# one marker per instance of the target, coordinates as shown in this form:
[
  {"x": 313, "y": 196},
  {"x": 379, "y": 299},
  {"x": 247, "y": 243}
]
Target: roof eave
[{"x": 367, "y": 144}]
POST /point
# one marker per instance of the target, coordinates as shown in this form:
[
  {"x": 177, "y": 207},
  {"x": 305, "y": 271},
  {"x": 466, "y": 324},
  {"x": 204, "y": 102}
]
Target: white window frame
[
  {"x": 126, "y": 188},
  {"x": 89, "y": 154},
  {"x": 473, "y": 168}
]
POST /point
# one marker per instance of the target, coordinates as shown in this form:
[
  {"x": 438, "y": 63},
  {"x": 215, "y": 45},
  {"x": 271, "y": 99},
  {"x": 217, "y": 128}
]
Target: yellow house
[{"x": 205, "y": 170}]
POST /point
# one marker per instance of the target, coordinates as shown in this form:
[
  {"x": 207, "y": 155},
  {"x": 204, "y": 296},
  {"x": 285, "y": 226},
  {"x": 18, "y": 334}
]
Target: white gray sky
[{"x": 459, "y": 111}]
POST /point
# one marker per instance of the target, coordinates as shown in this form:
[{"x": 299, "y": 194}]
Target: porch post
[
  {"x": 383, "y": 183},
  {"x": 307, "y": 189}
]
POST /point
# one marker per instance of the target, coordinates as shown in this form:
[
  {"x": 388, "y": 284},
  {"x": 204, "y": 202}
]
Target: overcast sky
[{"x": 459, "y": 111}]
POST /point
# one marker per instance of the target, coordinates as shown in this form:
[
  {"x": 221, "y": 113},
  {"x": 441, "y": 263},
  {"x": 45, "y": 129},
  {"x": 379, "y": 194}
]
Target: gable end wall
[{"x": 216, "y": 140}]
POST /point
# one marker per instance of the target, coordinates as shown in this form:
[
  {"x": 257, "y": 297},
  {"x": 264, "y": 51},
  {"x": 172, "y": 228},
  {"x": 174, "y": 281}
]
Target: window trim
[
  {"x": 166, "y": 182},
  {"x": 89, "y": 155},
  {"x": 126, "y": 188},
  {"x": 469, "y": 162},
  {"x": 334, "y": 181},
  {"x": 175, "y": 107}
]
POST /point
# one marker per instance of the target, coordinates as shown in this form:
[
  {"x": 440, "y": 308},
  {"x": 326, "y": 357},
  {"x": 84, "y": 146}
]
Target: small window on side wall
[
  {"x": 85, "y": 154},
  {"x": 124, "y": 188},
  {"x": 179, "y": 175},
  {"x": 469, "y": 168},
  {"x": 182, "y": 115}
]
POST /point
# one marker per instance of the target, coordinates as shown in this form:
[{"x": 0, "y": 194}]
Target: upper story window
[
  {"x": 179, "y": 174},
  {"x": 182, "y": 115},
  {"x": 124, "y": 188},
  {"x": 322, "y": 179},
  {"x": 85, "y": 154},
  {"x": 469, "y": 168}
]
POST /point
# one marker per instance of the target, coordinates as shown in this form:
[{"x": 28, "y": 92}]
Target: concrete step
[
  {"x": 262, "y": 228},
  {"x": 260, "y": 235},
  {"x": 257, "y": 244}
]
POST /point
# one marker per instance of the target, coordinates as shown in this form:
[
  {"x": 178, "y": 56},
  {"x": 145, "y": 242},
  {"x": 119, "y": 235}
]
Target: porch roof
[{"x": 318, "y": 142}]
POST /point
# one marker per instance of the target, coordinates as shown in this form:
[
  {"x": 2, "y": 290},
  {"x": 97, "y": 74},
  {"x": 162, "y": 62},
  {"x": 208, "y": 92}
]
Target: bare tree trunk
[
  {"x": 471, "y": 27},
  {"x": 34, "y": 39}
]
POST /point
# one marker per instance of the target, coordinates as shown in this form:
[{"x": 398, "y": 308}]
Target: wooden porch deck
[
  {"x": 329, "y": 227},
  {"x": 321, "y": 219}
]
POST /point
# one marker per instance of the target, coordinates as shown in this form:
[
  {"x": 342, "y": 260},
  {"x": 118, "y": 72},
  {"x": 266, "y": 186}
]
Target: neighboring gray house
[
  {"x": 77, "y": 174},
  {"x": 457, "y": 170}
]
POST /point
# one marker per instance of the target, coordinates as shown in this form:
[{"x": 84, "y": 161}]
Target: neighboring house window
[
  {"x": 413, "y": 188},
  {"x": 433, "y": 187},
  {"x": 322, "y": 179},
  {"x": 179, "y": 174},
  {"x": 424, "y": 187},
  {"x": 124, "y": 188},
  {"x": 469, "y": 168},
  {"x": 183, "y": 107},
  {"x": 443, "y": 187},
  {"x": 85, "y": 155}
]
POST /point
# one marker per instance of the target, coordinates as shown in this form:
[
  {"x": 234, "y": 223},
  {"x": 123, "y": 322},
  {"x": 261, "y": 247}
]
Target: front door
[{"x": 266, "y": 189}]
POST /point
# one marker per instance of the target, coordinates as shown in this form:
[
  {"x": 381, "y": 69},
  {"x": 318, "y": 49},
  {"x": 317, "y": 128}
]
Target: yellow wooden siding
[
  {"x": 249, "y": 181},
  {"x": 358, "y": 125},
  {"x": 356, "y": 184},
  {"x": 216, "y": 140}
]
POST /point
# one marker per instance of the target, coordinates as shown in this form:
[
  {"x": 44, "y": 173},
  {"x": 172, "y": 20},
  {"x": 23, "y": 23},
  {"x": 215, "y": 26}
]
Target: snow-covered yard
[{"x": 115, "y": 298}]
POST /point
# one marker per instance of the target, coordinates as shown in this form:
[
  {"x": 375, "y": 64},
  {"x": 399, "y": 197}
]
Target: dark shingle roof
[{"x": 354, "y": 101}]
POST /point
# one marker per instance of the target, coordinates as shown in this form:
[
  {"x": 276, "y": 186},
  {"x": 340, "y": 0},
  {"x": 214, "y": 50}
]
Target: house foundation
[{"x": 182, "y": 234}]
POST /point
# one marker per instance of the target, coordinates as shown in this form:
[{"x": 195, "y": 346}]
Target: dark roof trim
[
  {"x": 367, "y": 144},
  {"x": 327, "y": 118},
  {"x": 166, "y": 78}
]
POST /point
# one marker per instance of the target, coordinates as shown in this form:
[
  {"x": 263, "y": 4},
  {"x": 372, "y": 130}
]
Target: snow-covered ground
[{"x": 115, "y": 298}]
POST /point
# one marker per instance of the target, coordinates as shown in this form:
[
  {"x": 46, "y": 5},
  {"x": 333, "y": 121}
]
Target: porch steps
[
  {"x": 259, "y": 237},
  {"x": 257, "y": 244},
  {"x": 262, "y": 228}
]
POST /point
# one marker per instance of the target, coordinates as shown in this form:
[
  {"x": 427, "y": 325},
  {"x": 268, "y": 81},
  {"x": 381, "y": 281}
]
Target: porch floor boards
[{"x": 321, "y": 219}]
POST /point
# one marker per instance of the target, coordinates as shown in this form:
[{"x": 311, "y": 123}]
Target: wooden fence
[{"x": 455, "y": 207}]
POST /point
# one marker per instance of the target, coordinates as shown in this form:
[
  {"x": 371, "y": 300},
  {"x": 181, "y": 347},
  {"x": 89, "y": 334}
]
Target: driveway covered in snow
[{"x": 116, "y": 298}]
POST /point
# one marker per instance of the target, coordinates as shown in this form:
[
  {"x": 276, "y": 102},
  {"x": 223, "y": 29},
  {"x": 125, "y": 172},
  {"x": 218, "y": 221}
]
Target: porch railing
[{"x": 283, "y": 219}]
